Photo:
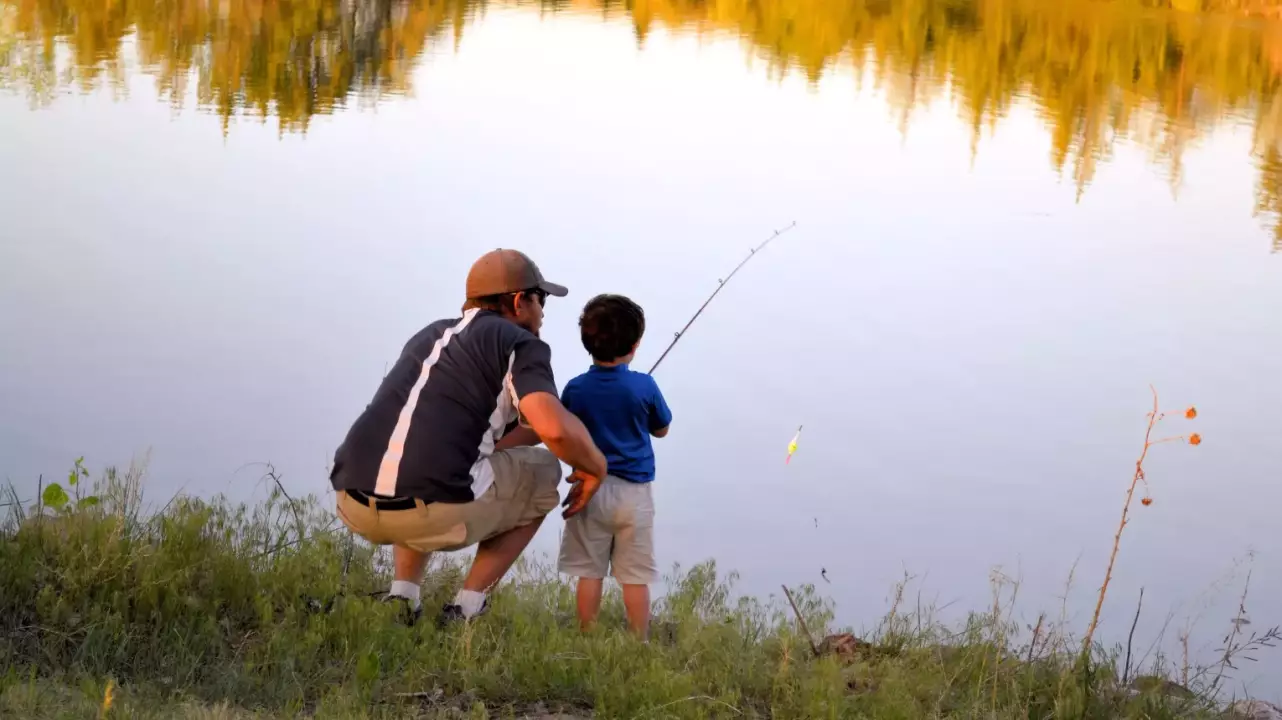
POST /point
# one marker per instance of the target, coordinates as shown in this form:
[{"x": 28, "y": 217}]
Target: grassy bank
[{"x": 203, "y": 609}]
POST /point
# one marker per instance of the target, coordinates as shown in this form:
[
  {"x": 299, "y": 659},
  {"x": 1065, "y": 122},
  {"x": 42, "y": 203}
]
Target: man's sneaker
[
  {"x": 408, "y": 614},
  {"x": 451, "y": 614}
]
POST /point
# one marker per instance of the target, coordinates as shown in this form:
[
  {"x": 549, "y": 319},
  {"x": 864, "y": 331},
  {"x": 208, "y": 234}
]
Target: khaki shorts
[
  {"x": 614, "y": 533},
  {"x": 524, "y": 490}
]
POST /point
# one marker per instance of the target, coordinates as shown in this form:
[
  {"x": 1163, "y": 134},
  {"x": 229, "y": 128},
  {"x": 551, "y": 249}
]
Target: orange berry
[
  {"x": 1195, "y": 439},
  {"x": 1147, "y": 501},
  {"x": 1190, "y": 413}
]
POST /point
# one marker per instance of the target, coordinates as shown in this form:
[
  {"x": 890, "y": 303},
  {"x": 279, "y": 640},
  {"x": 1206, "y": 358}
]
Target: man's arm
[
  {"x": 558, "y": 428},
  {"x": 661, "y": 432},
  {"x": 563, "y": 433}
]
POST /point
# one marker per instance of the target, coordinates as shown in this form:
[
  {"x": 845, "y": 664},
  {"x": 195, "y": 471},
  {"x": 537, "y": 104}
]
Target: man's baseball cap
[{"x": 499, "y": 272}]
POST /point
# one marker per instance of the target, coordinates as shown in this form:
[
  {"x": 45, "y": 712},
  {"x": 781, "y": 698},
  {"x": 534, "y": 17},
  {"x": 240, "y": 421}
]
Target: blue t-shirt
[{"x": 620, "y": 408}]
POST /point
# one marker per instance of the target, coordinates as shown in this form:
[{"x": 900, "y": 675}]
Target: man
[{"x": 440, "y": 459}]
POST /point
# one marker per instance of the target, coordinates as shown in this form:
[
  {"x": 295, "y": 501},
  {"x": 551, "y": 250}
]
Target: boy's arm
[
  {"x": 660, "y": 415},
  {"x": 520, "y": 436}
]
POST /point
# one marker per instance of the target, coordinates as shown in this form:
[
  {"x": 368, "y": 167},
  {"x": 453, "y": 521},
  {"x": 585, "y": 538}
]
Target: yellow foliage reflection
[
  {"x": 1161, "y": 72},
  {"x": 291, "y": 58}
]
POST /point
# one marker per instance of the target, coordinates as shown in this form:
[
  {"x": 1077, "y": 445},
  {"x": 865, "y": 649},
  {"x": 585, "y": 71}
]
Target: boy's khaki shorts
[
  {"x": 524, "y": 490},
  {"x": 614, "y": 533}
]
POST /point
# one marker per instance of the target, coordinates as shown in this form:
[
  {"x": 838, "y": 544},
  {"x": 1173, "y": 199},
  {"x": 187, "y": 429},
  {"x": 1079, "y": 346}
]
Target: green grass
[{"x": 203, "y": 609}]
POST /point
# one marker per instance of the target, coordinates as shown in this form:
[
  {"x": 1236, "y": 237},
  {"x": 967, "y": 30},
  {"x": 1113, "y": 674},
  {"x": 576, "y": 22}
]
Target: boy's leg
[
  {"x": 632, "y": 560},
  {"x": 588, "y": 597},
  {"x": 585, "y": 551},
  {"x": 636, "y": 600}
]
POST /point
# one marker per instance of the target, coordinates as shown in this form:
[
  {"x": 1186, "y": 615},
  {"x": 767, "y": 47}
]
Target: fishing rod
[{"x": 720, "y": 284}]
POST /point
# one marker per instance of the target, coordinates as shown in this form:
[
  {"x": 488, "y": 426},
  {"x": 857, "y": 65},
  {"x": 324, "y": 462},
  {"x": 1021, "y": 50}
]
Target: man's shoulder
[
  {"x": 437, "y": 327},
  {"x": 432, "y": 332},
  {"x": 488, "y": 333}
]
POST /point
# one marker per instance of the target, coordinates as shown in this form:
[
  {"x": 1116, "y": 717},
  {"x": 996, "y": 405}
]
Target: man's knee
[{"x": 542, "y": 470}]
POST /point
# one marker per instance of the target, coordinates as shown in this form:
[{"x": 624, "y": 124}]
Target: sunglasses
[{"x": 537, "y": 295}]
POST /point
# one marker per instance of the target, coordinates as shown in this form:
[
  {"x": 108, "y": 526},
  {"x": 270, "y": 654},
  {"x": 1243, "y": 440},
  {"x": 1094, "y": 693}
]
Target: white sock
[
  {"x": 408, "y": 590},
  {"x": 470, "y": 601}
]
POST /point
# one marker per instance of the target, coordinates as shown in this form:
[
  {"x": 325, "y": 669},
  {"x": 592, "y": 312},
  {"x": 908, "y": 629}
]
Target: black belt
[{"x": 400, "y": 503}]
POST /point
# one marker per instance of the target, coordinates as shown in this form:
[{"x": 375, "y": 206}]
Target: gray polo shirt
[{"x": 431, "y": 427}]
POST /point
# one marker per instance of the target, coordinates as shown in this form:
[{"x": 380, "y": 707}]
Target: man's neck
[
  {"x": 610, "y": 364},
  {"x": 510, "y": 318}
]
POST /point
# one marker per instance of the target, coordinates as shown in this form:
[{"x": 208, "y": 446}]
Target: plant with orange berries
[{"x": 1155, "y": 416}]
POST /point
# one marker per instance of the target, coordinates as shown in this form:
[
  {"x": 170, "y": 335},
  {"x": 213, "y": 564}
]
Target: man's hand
[{"x": 583, "y": 487}]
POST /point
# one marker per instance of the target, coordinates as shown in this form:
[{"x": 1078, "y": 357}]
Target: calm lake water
[{"x": 220, "y": 221}]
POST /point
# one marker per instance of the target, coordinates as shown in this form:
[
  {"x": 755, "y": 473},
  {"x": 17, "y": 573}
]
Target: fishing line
[{"x": 720, "y": 284}]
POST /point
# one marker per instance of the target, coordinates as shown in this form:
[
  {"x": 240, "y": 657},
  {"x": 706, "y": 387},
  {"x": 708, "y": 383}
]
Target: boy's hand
[{"x": 584, "y": 486}]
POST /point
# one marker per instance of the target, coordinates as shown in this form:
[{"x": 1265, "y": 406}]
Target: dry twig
[
  {"x": 1154, "y": 417},
  {"x": 813, "y": 647},
  {"x": 1126, "y": 669}
]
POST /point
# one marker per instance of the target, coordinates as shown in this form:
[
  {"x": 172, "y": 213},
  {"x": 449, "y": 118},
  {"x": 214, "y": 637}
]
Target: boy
[{"x": 621, "y": 410}]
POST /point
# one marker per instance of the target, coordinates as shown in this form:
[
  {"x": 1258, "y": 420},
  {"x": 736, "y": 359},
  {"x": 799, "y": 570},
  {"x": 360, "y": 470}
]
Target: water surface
[{"x": 221, "y": 221}]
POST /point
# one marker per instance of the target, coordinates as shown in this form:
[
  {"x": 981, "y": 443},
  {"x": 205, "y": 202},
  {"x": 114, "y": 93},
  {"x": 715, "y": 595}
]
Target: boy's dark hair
[{"x": 610, "y": 326}]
